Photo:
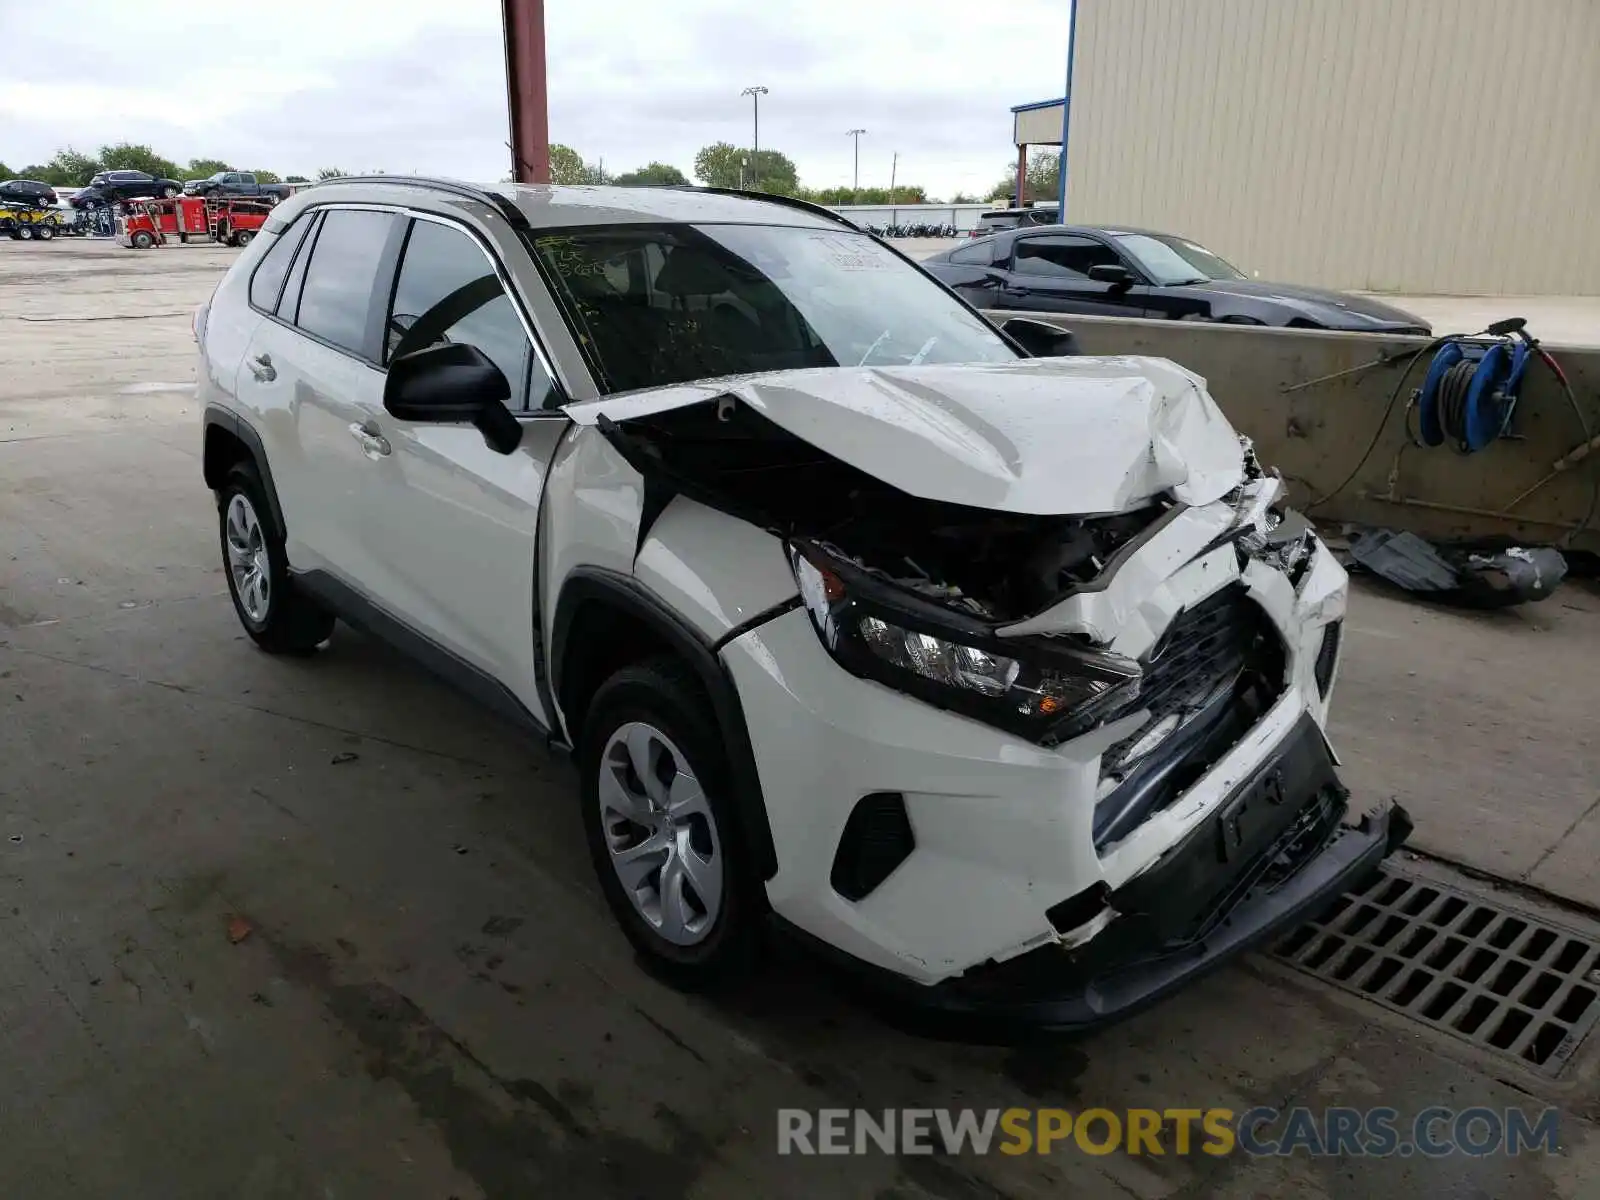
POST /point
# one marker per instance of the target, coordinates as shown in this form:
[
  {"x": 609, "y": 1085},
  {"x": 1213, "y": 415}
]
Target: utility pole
[
  {"x": 855, "y": 182},
  {"x": 894, "y": 168},
  {"x": 755, "y": 94}
]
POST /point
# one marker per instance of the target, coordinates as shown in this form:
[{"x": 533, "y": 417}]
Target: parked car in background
[
  {"x": 1119, "y": 271},
  {"x": 110, "y": 187},
  {"x": 856, "y": 611},
  {"x": 236, "y": 183},
  {"x": 1003, "y": 219},
  {"x": 28, "y": 191}
]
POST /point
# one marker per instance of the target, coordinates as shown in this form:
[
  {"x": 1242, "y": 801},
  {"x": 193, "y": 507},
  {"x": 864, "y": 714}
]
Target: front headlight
[{"x": 1044, "y": 689}]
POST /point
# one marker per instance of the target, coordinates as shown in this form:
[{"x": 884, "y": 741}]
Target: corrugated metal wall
[{"x": 1424, "y": 146}]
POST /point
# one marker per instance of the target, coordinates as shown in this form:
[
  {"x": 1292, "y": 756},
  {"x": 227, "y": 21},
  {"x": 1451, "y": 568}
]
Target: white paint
[{"x": 1058, "y": 435}]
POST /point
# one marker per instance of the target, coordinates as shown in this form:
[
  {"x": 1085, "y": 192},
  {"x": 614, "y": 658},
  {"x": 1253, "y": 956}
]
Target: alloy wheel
[
  {"x": 661, "y": 834},
  {"x": 248, "y": 563}
]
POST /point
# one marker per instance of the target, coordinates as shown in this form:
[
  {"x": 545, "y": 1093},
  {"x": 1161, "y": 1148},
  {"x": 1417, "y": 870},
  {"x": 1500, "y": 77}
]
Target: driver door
[
  {"x": 1049, "y": 272},
  {"x": 450, "y": 525}
]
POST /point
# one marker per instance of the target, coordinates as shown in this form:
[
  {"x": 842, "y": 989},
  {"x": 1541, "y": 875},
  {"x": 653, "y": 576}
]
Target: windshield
[
  {"x": 654, "y": 305},
  {"x": 1170, "y": 260}
]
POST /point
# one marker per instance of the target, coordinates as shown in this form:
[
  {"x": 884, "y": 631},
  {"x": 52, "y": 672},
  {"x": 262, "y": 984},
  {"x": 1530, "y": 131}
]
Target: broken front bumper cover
[{"x": 1272, "y": 856}]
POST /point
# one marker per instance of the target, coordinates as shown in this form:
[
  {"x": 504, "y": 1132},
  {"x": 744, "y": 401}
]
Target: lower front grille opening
[
  {"x": 1215, "y": 672},
  {"x": 877, "y": 838}
]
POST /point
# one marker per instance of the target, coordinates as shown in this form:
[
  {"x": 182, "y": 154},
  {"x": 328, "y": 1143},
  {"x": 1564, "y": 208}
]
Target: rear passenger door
[{"x": 314, "y": 364}]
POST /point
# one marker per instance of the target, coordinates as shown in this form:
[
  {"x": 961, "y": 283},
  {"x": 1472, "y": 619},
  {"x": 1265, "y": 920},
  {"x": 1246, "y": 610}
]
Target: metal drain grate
[{"x": 1502, "y": 980}]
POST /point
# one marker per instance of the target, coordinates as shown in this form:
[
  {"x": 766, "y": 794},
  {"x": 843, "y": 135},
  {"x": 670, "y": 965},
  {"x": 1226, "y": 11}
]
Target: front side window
[
  {"x": 1171, "y": 260},
  {"x": 448, "y": 291},
  {"x": 655, "y": 305},
  {"x": 1062, "y": 257},
  {"x": 336, "y": 301}
]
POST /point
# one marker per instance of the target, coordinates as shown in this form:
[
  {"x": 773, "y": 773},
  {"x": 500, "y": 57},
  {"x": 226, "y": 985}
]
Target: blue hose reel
[{"x": 1470, "y": 392}]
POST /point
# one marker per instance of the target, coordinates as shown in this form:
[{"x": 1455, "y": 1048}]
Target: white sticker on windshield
[{"x": 850, "y": 253}]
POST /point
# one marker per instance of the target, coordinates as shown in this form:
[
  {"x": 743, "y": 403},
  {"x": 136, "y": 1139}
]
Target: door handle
[
  {"x": 373, "y": 444},
  {"x": 261, "y": 367}
]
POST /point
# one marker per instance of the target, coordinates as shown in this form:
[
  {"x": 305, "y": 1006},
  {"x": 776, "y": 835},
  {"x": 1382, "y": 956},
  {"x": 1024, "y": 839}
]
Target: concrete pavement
[{"x": 322, "y": 928}]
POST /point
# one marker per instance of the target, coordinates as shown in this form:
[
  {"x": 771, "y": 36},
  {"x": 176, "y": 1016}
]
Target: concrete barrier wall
[{"x": 1272, "y": 384}]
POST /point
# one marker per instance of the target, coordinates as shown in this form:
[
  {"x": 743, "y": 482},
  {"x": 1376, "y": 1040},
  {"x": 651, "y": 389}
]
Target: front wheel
[
  {"x": 169, "y": 193},
  {"x": 277, "y": 616},
  {"x": 143, "y": 240},
  {"x": 243, "y": 237},
  {"x": 656, "y": 810}
]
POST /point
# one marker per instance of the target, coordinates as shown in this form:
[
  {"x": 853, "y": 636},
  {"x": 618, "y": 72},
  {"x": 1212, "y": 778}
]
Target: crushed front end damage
[{"x": 1084, "y": 733}]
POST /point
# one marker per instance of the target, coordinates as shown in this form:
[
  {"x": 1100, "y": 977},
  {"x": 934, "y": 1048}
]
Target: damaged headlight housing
[{"x": 1043, "y": 689}]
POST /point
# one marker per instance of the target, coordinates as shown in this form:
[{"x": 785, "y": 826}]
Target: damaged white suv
[{"x": 1003, "y": 676}]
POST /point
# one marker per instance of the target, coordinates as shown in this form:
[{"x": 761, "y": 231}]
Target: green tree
[
  {"x": 266, "y": 177},
  {"x": 904, "y": 193},
  {"x": 720, "y": 164},
  {"x": 567, "y": 166},
  {"x": 7, "y": 173},
  {"x": 68, "y": 168},
  {"x": 295, "y": 179},
  {"x": 204, "y": 168},
  {"x": 963, "y": 198},
  {"x": 331, "y": 173},
  {"x": 126, "y": 156},
  {"x": 655, "y": 174},
  {"x": 1043, "y": 179},
  {"x": 723, "y": 164}
]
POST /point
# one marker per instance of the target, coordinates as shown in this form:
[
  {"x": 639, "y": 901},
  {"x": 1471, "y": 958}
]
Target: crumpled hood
[{"x": 1072, "y": 436}]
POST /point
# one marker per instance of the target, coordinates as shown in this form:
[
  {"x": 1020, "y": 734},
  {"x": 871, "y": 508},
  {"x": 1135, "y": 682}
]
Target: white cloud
[{"x": 418, "y": 85}]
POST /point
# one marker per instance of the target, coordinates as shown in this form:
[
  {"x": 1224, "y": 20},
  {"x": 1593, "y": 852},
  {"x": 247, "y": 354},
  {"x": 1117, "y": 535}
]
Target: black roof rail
[
  {"x": 789, "y": 201},
  {"x": 513, "y": 215}
]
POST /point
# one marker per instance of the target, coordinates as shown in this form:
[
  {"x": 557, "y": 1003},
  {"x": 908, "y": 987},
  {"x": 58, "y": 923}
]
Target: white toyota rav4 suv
[{"x": 998, "y": 671}]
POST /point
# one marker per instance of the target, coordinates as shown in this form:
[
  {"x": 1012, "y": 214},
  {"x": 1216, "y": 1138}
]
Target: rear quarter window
[{"x": 267, "y": 282}]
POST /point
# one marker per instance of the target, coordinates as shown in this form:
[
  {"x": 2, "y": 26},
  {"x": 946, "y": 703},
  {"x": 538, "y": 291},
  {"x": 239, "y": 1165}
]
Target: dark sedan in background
[{"x": 1107, "y": 271}]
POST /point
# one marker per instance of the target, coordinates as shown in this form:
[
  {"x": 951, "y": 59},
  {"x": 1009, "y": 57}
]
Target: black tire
[
  {"x": 142, "y": 240},
  {"x": 243, "y": 237},
  {"x": 664, "y": 693},
  {"x": 45, "y": 230},
  {"x": 292, "y": 623}
]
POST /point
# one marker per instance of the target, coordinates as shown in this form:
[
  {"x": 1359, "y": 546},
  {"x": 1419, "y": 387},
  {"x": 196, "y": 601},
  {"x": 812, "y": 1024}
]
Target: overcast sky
[{"x": 403, "y": 85}]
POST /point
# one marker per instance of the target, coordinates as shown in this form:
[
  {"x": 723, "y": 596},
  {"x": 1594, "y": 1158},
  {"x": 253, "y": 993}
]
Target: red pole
[
  {"x": 525, "y": 90},
  {"x": 1022, "y": 176}
]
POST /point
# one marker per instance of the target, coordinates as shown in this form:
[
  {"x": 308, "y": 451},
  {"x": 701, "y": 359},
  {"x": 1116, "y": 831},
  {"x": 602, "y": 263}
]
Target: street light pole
[
  {"x": 855, "y": 183},
  {"x": 755, "y": 94}
]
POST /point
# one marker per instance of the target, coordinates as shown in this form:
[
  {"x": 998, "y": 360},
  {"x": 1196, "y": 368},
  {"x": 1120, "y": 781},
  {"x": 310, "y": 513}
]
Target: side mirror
[
  {"x": 1112, "y": 273},
  {"x": 453, "y": 384},
  {"x": 1041, "y": 339}
]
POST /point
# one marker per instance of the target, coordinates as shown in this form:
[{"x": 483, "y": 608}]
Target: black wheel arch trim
[
  {"x": 598, "y": 585},
  {"x": 241, "y": 429}
]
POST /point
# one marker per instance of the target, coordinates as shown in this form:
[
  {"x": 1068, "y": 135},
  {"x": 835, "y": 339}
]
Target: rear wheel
[
  {"x": 46, "y": 231},
  {"x": 25, "y": 232},
  {"x": 656, "y": 809},
  {"x": 243, "y": 237},
  {"x": 277, "y": 616}
]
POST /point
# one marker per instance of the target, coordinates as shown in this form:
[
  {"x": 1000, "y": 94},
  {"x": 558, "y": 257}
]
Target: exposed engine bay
[{"x": 993, "y": 566}]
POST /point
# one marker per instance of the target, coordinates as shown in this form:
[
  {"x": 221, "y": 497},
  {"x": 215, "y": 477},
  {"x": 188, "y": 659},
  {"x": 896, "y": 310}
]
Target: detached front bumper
[{"x": 1274, "y": 855}]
